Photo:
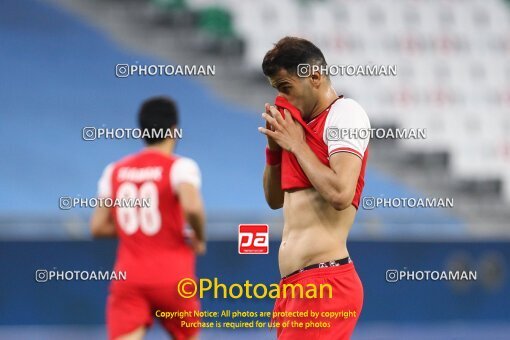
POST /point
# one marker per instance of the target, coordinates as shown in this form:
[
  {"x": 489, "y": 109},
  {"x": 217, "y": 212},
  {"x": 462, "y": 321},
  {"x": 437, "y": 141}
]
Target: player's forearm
[
  {"x": 323, "y": 178},
  {"x": 273, "y": 186},
  {"x": 193, "y": 208},
  {"x": 102, "y": 224},
  {"x": 196, "y": 219}
]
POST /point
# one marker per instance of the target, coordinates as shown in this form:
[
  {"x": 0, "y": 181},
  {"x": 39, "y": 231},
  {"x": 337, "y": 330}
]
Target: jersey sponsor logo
[{"x": 253, "y": 239}]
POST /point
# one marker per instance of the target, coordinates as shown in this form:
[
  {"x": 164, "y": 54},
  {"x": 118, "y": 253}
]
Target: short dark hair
[
  {"x": 288, "y": 53},
  {"x": 157, "y": 113}
]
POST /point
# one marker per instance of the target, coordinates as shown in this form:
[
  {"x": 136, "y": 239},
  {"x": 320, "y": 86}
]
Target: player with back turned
[
  {"x": 153, "y": 248},
  {"x": 317, "y": 176}
]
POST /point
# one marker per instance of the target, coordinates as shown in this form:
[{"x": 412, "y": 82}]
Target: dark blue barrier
[{"x": 25, "y": 301}]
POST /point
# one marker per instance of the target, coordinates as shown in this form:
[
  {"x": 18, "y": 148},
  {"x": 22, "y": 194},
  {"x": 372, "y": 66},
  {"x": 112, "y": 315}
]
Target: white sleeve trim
[
  {"x": 104, "y": 185},
  {"x": 342, "y": 128},
  {"x": 185, "y": 170}
]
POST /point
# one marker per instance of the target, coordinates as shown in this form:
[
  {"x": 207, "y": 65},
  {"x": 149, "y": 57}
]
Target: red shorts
[
  {"x": 130, "y": 307},
  {"x": 346, "y": 302}
]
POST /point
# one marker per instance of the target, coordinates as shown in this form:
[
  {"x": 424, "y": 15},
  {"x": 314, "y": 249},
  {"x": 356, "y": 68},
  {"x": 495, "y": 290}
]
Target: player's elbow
[
  {"x": 341, "y": 201},
  {"x": 340, "y": 205},
  {"x": 275, "y": 204}
]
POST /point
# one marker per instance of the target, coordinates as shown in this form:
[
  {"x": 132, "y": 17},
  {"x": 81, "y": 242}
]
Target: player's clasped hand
[{"x": 287, "y": 133}]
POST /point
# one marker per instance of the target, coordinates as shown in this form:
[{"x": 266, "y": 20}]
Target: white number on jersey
[{"x": 147, "y": 219}]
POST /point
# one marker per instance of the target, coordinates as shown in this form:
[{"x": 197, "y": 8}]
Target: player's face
[{"x": 297, "y": 90}]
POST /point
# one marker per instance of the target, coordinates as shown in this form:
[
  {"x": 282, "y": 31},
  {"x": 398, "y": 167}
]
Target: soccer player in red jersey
[
  {"x": 315, "y": 171},
  {"x": 153, "y": 249}
]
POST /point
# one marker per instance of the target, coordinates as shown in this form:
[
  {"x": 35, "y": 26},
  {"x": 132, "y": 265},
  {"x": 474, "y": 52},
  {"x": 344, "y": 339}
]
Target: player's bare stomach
[{"x": 313, "y": 231}]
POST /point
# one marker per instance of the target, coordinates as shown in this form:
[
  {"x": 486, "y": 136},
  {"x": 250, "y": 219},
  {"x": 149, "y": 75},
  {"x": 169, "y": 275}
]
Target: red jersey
[
  {"x": 342, "y": 127},
  {"x": 152, "y": 246}
]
